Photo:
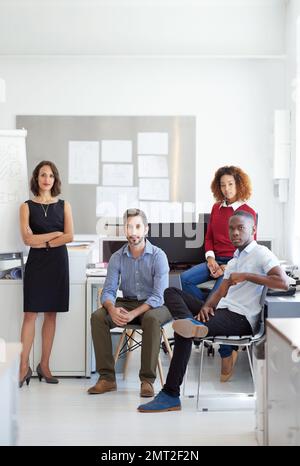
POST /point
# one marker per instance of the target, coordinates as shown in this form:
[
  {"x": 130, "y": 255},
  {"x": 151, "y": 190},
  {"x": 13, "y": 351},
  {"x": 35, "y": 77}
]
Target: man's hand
[
  {"x": 131, "y": 316},
  {"x": 204, "y": 313},
  {"x": 119, "y": 315},
  {"x": 236, "y": 278}
]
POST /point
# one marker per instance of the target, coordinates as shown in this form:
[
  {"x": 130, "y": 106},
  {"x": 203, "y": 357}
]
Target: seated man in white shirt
[{"x": 233, "y": 309}]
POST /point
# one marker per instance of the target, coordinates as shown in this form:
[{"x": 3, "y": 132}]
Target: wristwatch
[{"x": 47, "y": 245}]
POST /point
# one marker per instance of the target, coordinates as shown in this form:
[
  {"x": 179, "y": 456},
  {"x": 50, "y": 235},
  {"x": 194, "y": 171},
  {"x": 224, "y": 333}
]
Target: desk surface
[
  {"x": 289, "y": 329},
  {"x": 283, "y": 306}
]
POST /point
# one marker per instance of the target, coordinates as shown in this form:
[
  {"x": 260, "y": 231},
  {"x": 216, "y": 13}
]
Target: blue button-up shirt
[{"x": 144, "y": 278}]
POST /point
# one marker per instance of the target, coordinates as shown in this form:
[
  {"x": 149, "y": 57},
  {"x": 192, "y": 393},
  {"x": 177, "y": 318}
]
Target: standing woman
[
  {"x": 231, "y": 188},
  {"x": 46, "y": 226}
]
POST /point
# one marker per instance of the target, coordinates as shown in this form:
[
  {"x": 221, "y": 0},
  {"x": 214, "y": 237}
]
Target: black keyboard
[{"x": 290, "y": 292}]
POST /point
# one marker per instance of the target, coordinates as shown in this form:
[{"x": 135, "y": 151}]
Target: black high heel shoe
[
  {"x": 41, "y": 375},
  {"x": 26, "y": 378}
]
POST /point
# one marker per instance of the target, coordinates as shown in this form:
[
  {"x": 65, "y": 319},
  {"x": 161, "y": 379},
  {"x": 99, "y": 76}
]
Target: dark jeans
[
  {"x": 190, "y": 279},
  {"x": 182, "y": 305}
]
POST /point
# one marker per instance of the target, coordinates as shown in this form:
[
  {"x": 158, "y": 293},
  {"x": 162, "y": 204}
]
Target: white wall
[
  {"x": 293, "y": 49},
  {"x": 233, "y": 100}
]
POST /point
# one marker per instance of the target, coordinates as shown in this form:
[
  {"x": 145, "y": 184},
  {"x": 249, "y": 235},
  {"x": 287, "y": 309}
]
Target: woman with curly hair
[{"x": 231, "y": 188}]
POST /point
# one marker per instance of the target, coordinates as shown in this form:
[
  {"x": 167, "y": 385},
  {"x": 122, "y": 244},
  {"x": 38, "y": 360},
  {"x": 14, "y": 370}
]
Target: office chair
[
  {"x": 128, "y": 342},
  {"x": 244, "y": 340}
]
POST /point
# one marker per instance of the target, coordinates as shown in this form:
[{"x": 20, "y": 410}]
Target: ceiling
[{"x": 141, "y": 27}]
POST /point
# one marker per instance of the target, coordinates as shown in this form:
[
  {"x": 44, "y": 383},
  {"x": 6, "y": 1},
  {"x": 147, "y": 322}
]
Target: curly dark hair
[
  {"x": 242, "y": 181},
  {"x": 34, "y": 185}
]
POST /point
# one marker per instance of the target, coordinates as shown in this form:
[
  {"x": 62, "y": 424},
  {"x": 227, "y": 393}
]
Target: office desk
[
  {"x": 93, "y": 286},
  {"x": 283, "y": 382},
  {"x": 283, "y": 306},
  {"x": 9, "y": 394},
  {"x": 277, "y": 307}
]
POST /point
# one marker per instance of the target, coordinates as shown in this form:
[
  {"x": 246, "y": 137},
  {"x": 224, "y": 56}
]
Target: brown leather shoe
[
  {"x": 147, "y": 389},
  {"x": 103, "y": 386},
  {"x": 227, "y": 366}
]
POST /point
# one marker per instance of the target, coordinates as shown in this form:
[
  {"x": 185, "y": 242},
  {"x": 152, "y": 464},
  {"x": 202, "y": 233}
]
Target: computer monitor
[
  {"x": 267, "y": 243},
  {"x": 183, "y": 243},
  {"x": 110, "y": 246}
]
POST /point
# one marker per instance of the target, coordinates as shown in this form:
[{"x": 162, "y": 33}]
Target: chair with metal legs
[
  {"x": 240, "y": 400},
  {"x": 131, "y": 340}
]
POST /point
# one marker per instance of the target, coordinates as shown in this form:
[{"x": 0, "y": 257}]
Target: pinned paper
[
  {"x": 112, "y": 202},
  {"x": 152, "y": 166},
  {"x": 83, "y": 162},
  {"x": 117, "y": 175},
  {"x": 154, "y": 189},
  {"x": 153, "y": 144},
  {"x": 116, "y": 151}
]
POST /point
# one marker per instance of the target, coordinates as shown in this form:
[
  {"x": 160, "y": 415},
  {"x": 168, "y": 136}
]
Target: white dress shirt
[{"x": 244, "y": 297}]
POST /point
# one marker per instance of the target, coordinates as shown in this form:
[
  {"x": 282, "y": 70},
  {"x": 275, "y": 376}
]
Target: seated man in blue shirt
[
  {"x": 231, "y": 310},
  {"x": 141, "y": 271}
]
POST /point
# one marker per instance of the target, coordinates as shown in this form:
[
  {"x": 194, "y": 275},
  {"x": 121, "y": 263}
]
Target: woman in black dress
[{"x": 46, "y": 226}]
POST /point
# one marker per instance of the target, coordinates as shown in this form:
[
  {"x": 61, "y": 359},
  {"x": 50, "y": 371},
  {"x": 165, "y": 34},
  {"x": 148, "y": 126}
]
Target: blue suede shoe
[
  {"x": 162, "y": 402},
  {"x": 190, "y": 328}
]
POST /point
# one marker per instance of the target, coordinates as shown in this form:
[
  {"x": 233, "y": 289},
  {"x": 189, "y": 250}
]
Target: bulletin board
[{"x": 110, "y": 163}]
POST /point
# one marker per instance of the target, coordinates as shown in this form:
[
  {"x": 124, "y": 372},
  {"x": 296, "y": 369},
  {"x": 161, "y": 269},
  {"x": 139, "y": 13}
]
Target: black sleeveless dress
[{"x": 46, "y": 278}]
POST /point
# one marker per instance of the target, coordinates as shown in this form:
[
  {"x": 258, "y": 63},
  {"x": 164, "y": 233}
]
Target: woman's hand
[
  {"x": 212, "y": 264},
  {"x": 215, "y": 269}
]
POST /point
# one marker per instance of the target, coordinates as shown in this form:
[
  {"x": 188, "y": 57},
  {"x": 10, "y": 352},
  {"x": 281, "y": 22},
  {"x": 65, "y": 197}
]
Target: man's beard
[{"x": 135, "y": 242}]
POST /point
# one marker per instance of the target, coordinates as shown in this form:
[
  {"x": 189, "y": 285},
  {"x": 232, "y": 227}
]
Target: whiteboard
[{"x": 13, "y": 188}]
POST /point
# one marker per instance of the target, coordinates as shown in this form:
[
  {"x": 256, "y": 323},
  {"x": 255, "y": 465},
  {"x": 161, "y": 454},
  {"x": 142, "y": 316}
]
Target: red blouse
[{"x": 217, "y": 235}]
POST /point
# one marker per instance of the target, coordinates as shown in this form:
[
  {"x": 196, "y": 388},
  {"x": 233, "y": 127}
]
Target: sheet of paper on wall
[
  {"x": 116, "y": 150},
  {"x": 117, "y": 174},
  {"x": 152, "y": 166},
  {"x": 162, "y": 212},
  {"x": 154, "y": 189},
  {"x": 83, "y": 162},
  {"x": 153, "y": 144},
  {"x": 112, "y": 202}
]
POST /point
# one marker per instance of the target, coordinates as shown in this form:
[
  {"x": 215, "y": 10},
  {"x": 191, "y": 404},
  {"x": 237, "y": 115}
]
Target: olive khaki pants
[{"x": 151, "y": 322}]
